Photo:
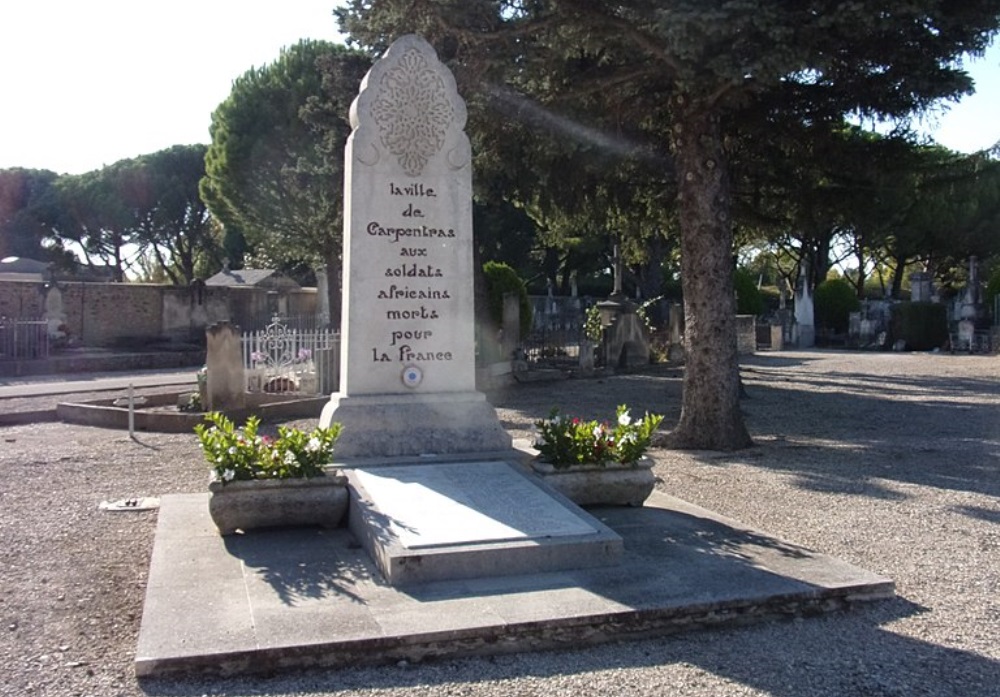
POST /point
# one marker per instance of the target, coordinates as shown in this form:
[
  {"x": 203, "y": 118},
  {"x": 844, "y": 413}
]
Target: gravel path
[{"x": 888, "y": 461}]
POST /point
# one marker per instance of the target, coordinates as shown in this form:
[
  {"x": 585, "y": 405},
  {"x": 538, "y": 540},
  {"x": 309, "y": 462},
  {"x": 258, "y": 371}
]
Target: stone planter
[
  {"x": 265, "y": 503},
  {"x": 613, "y": 484}
]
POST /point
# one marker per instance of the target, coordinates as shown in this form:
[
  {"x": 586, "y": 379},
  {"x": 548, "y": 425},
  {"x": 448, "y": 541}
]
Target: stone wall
[
  {"x": 106, "y": 314},
  {"x": 122, "y": 314},
  {"x": 22, "y": 299}
]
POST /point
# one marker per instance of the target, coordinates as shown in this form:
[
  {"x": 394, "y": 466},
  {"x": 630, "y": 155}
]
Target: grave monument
[
  {"x": 407, "y": 376},
  {"x": 805, "y": 327},
  {"x": 436, "y": 492}
]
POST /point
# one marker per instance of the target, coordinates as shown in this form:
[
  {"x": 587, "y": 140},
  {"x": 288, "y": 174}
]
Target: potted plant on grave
[
  {"x": 257, "y": 481},
  {"x": 597, "y": 463}
]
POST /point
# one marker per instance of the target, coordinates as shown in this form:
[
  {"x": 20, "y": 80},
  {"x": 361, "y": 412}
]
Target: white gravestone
[
  {"x": 804, "y": 310},
  {"x": 408, "y": 349}
]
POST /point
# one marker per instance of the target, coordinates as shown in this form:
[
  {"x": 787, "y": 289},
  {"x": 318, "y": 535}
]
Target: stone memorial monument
[
  {"x": 435, "y": 492},
  {"x": 407, "y": 377},
  {"x": 805, "y": 324}
]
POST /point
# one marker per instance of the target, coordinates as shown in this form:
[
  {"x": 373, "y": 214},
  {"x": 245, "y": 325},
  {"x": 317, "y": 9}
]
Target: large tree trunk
[{"x": 710, "y": 410}]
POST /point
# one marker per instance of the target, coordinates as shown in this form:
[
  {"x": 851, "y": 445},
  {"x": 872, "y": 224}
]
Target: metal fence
[
  {"x": 557, "y": 329},
  {"x": 280, "y": 358},
  {"x": 22, "y": 339}
]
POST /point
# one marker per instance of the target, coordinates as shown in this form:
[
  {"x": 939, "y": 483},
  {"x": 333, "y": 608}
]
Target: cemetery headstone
[
  {"x": 55, "y": 316},
  {"x": 226, "y": 385},
  {"x": 804, "y": 310},
  {"x": 407, "y": 377}
]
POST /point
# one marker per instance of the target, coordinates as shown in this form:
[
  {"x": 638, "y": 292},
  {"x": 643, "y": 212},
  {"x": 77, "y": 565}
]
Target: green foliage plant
[
  {"x": 835, "y": 300},
  {"x": 501, "y": 279},
  {"x": 563, "y": 441},
  {"x": 240, "y": 454},
  {"x": 592, "y": 324},
  {"x": 748, "y": 298}
]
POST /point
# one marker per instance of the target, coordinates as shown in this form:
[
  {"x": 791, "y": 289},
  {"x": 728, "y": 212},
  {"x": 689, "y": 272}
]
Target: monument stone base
[
  {"x": 459, "y": 520},
  {"x": 806, "y": 336},
  {"x": 393, "y": 425}
]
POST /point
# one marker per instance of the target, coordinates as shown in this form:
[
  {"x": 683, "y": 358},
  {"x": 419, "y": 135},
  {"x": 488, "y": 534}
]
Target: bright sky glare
[{"x": 86, "y": 83}]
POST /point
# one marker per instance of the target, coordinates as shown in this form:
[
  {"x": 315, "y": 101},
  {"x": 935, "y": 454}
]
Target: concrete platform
[
  {"x": 282, "y": 599},
  {"x": 470, "y": 519}
]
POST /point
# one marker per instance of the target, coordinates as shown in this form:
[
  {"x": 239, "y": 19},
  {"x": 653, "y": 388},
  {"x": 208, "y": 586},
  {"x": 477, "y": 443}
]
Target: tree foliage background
[
  {"x": 679, "y": 91},
  {"x": 274, "y": 170}
]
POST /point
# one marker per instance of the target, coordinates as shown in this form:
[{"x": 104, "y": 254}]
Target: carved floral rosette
[{"x": 408, "y": 109}]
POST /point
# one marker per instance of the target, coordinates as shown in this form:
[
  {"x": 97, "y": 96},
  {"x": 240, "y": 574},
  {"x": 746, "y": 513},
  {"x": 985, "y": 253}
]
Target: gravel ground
[{"x": 888, "y": 461}]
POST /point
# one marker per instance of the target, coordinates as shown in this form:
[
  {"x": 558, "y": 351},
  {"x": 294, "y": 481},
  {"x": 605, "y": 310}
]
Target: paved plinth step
[{"x": 299, "y": 597}]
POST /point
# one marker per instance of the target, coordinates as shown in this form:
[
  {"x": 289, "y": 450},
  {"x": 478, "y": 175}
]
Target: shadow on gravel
[
  {"x": 840, "y": 433},
  {"x": 990, "y": 515},
  {"x": 656, "y": 390},
  {"x": 845, "y": 434},
  {"x": 847, "y": 655}
]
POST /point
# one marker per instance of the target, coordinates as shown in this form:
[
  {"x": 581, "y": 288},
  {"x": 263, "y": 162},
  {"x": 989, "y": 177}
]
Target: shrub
[
  {"x": 835, "y": 300},
  {"x": 237, "y": 454},
  {"x": 923, "y": 326},
  {"x": 563, "y": 441},
  {"x": 502, "y": 279},
  {"x": 748, "y": 297}
]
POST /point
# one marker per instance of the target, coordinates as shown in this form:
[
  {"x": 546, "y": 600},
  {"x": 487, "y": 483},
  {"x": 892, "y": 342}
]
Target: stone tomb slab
[{"x": 454, "y": 520}]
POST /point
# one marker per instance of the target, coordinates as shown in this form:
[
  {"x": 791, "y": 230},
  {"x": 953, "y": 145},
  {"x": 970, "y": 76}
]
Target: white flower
[
  {"x": 624, "y": 419},
  {"x": 290, "y": 458},
  {"x": 232, "y": 450},
  {"x": 598, "y": 430},
  {"x": 228, "y": 476},
  {"x": 313, "y": 445},
  {"x": 629, "y": 437}
]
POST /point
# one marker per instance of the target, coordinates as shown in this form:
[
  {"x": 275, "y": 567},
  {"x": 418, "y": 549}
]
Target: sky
[{"x": 85, "y": 83}]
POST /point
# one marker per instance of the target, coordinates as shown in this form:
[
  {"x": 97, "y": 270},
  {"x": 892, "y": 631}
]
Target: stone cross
[{"x": 619, "y": 271}]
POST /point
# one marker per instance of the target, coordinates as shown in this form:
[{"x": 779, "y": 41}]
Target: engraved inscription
[{"x": 394, "y": 234}]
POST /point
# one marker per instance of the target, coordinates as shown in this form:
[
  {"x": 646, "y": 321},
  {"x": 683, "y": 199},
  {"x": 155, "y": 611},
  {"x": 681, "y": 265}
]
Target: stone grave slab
[{"x": 453, "y": 520}]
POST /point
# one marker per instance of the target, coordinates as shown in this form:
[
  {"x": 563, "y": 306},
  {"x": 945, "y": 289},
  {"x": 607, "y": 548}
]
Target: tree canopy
[
  {"x": 21, "y": 192},
  {"x": 172, "y": 224},
  {"x": 679, "y": 82},
  {"x": 274, "y": 170}
]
